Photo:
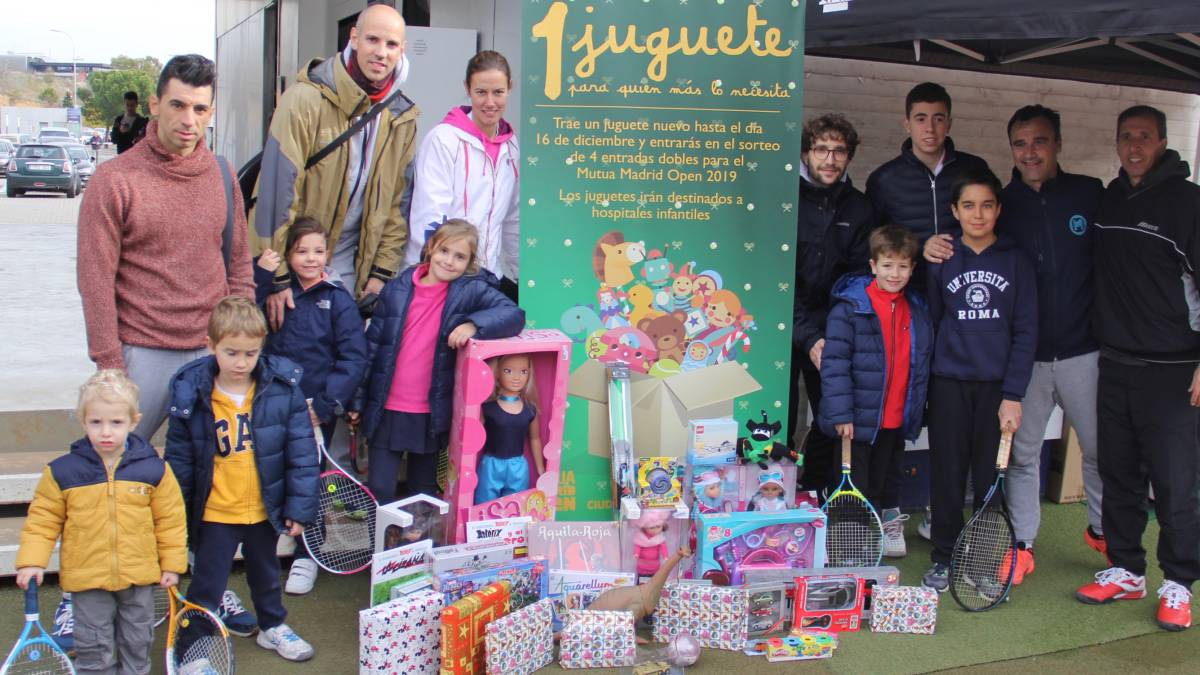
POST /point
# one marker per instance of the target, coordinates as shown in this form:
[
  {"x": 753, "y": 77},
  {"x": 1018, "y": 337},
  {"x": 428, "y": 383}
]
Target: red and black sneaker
[
  {"x": 1024, "y": 565},
  {"x": 1114, "y": 583},
  {"x": 1174, "y": 607},
  {"x": 1095, "y": 541}
]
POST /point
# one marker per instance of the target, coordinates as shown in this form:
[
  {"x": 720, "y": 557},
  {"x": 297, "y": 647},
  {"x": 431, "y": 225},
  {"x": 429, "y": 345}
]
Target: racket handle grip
[
  {"x": 846, "y": 452},
  {"x": 31, "y": 598},
  {"x": 1002, "y": 455}
]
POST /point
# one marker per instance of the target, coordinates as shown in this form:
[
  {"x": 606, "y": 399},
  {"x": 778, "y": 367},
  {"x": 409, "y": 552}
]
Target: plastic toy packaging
[
  {"x": 728, "y": 544},
  {"x": 659, "y": 481},
  {"x": 768, "y": 609},
  {"x": 769, "y": 489},
  {"x": 715, "y": 489},
  {"x": 828, "y": 603},
  {"x": 800, "y": 645},
  {"x": 410, "y": 520},
  {"x": 650, "y": 538},
  {"x": 510, "y": 420}
]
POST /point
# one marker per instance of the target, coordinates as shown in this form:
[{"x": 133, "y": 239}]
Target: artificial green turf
[{"x": 1043, "y": 628}]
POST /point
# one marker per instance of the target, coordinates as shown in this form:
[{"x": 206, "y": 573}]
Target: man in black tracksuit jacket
[
  {"x": 1147, "y": 320},
  {"x": 832, "y": 226}
]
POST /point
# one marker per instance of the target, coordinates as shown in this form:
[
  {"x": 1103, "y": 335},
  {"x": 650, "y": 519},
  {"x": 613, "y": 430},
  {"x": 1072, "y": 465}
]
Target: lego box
[{"x": 712, "y": 441}]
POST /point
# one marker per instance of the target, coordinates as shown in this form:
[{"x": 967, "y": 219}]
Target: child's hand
[
  {"x": 1010, "y": 416},
  {"x": 845, "y": 430},
  {"x": 460, "y": 335},
  {"x": 168, "y": 580},
  {"x": 269, "y": 260},
  {"x": 294, "y": 529},
  {"x": 26, "y": 573}
]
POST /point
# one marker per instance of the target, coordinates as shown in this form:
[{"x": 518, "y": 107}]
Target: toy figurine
[
  {"x": 509, "y": 418},
  {"x": 643, "y": 598},
  {"x": 762, "y": 445},
  {"x": 769, "y": 496},
  {"x": 650, "y": 541},
  {"x": 707, "y": 489}
]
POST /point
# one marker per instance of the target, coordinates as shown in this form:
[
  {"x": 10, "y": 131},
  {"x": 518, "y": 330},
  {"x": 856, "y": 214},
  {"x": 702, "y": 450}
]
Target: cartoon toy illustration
[
  {"x": 610, "y": 307},
  {"x": 705, "y": 284},
  {"x": 641, "y": 304},
  {"x": 726, "y": 324},
  {"x": 580, "y": 321},
  {"x": 679, "y": 297},
  {"x": 614, "y": 258},
  {"x": 666, "y": 333},
  {"x": 510, "y": 420},
  {"x": 762, "y": 445},
  {"x": 629, "y": 346},
  {"x": 698, "y": 356},
  {"x": 769, "y": 496}
]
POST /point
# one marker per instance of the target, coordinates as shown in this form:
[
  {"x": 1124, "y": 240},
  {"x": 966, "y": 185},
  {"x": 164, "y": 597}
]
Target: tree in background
[
  {"x": 48, "y": 96},
  {"x": 104, "y": 99},
  {"x": 67, "y": 102}
]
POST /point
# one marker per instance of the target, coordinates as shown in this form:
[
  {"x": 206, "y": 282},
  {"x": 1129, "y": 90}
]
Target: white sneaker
[
  {"x": 301, "y": 577},
  {"x": 285, "y": 642},
  {"x": 893, "y": 534},
  {"x": 926, "y": 526}
]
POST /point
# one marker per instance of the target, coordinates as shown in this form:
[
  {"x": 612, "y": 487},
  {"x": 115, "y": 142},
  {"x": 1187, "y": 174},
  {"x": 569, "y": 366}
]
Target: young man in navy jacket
[
  {"x": 983, "y": 303},
  {"x": 1048, "y": 213}
]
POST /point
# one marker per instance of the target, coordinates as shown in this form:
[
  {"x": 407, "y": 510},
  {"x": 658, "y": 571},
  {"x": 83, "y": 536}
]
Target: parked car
[
  {"x": 7, "y": 150},
  {"x": 42, "y": 167},
  {"x": 54, "y": 134},
  {"x": 84, "y": 161}
]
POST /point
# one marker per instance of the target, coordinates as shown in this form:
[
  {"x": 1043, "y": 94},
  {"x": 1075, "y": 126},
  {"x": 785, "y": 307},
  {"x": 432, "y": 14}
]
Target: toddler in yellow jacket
[{"x": 120, "y": 514}]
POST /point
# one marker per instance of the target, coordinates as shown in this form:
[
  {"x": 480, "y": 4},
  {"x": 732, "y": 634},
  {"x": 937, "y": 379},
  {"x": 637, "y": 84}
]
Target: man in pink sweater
[{"x": 150, "y": 259}]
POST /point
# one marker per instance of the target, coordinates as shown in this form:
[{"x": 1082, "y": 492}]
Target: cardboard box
[
  {"x": 576, "y": 590},
  {"x": 475, "y": 555},
  {"x": 513, "y": 531},
  {"x": 396, "y": 567},
  {"x": 464, "y": 629},
  {"x": 527, "y": 578},
  {"x": 662, "y": 407},
  {"x": 1065, "y": 484},
  {"x": 579, "y": 546},
  {"x": 828, "y": 602},
  {"x": 550, "y": 353},
  {"x": 728, "y": 544},
  {"x": 712, "y": 441},
  {"x": 409, "y": 520},
  {"x": 401, "y": 636}
]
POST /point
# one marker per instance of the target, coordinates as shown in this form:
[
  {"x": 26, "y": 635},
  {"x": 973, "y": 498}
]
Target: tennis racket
[
  {"x": 162, "y": 605},
  {"x": 342, "y": 540},
  {"x": 197, "y": 641},
  {"x": 36, "y": 651},
  {"x": 358, "y": 451},
  {"x": 979, "y": 579},
  {"x": 854, "y": 535}
]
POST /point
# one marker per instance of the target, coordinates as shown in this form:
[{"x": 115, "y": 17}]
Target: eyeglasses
[{"x": 821, "y": 152}]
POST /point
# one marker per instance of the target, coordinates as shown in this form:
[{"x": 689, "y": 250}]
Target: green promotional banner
[{"x": 661, "y": 146}]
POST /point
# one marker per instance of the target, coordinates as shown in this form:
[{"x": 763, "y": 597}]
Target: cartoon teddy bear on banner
[{"x": 657, "y": 318}]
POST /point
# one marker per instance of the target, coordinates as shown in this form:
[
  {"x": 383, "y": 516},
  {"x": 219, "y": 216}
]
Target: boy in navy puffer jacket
[
  {"x": 983, "y": 302},
  {"x": 875, "y": 368}
]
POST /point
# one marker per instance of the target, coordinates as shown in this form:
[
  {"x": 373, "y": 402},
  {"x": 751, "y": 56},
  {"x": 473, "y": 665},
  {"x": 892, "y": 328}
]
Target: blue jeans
[{"x": 215, "y": 545}]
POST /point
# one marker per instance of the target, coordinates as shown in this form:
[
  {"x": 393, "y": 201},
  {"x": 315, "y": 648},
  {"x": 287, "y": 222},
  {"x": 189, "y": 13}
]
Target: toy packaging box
[
  {"x": 597, "y": 640},
  {"x": 770, "y": 607},
  {"x": 769, "y": 489},
  {"x": 579, "y": 546},
  {"x": 904, "y": 609},
  {"x": 464, "y": 629},
  {"x": 410, "y": 520},
  {"x": 712, "y": 442},
  {"x": 401, "y": 636},
  {"x": 728, "y": 544},
  {"x": 714, "y": 489},
  {"x": 660, "y": 481},
  {"x": 397, "y": 567},
  {"x": 576, "y": 590},
  {"x": 828, "y": 602},
  {"x": 474, "y": 382},
  {"x": 513, "y": 531},
  {"x": 715, "y": 615},
  {"x": 651, "y": 538},
  {"x": 475, "y": 555},
  {"x": 873, "y": 578},
  {"x": 527, "y": 578},
  {"x": 521, "y": 642}
]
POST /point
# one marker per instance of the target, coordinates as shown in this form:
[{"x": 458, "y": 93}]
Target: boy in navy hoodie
[
  {"x": 983, "y": 302},
  {"x": 875, "y": 365}
]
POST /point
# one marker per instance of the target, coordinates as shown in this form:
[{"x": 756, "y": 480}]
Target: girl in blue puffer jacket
[{"x": 422, "y": 316}]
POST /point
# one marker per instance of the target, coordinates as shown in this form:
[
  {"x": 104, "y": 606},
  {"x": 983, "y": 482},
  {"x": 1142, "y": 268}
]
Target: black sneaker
[
  {"x": 235, "y": 617},
  {"x": 937, "y": 578}
]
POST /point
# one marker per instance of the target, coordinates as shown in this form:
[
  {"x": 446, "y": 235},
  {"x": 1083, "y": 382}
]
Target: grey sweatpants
[
  {"x": 1071, "y": 383},
  {"x": 114, "y": 630},
  {"x": 151, "y": 370}
]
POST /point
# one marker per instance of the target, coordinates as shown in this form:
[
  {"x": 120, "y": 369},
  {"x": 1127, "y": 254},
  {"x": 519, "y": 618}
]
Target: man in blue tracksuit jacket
[{"x": 1048, "y": 213}]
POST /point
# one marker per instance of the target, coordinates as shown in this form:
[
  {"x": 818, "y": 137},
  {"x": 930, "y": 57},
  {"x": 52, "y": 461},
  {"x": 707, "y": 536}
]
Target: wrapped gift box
[
  {"x": 401, "y": 636},
  {"x": 904, "y": 609},
  {"x": 464, "y": 626},
  {"x": 592, "y": 639},
  {"x": 521, "y": 642},
  {"x": 715, "y": 615}
]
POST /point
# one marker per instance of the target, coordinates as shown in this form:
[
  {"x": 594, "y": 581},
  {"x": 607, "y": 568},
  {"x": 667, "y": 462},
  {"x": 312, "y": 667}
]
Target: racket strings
[
  {"x": 854, "y": 537},
  {"x": 39, "y": 658},
  {"x": 201, "y": 646},
  {"x": 978, "y": 574},
  {"x": 343, "y": 538}
]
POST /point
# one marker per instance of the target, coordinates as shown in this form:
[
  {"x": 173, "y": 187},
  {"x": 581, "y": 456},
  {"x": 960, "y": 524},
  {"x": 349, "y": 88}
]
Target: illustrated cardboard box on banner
[
  {"x": 1065, "y": 484},
  {"x": 662, "y": 407}
]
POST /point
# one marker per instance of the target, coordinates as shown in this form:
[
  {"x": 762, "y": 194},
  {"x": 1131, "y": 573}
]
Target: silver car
[
  {"x": 84, "y": 161},
  {"x": 7, "y": 150}
]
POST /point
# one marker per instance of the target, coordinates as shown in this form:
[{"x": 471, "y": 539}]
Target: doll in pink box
[
  {"x": 650, "y": 540},
  {"x": 509, "y": 419},
  {"x": 769, "y": 496},
  {"x": 707, "y": 488}
]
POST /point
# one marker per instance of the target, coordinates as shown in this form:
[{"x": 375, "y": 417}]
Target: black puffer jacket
[
  {"x": 1147, "y": 249},
  {"x": 905, "y": 191},
  {"x": 832, "y": 227}
]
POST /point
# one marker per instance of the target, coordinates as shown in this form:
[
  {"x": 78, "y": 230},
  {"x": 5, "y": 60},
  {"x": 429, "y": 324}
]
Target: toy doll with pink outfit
[{"x": 650, "y": 540}]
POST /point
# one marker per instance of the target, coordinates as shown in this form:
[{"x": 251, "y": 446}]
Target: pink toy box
[
  {"x": 728, "y": 544},
  {"x": 550, "y": 355}
]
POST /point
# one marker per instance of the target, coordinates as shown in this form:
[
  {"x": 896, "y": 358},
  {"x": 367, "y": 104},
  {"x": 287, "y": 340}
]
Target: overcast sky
[{"x": 102, "y": 30}]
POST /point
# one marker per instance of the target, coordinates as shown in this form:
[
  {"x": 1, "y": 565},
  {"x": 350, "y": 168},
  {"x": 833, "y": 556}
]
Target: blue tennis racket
[{"x": 36, "y": 651}]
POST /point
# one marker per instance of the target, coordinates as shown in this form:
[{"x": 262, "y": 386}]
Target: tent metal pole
[
  {"x": 1060, "y": 47},
  {"x": 1124, "y": 44},
  {"x": 1190, "y": 37},
  {"x": 961, "y": 50}
]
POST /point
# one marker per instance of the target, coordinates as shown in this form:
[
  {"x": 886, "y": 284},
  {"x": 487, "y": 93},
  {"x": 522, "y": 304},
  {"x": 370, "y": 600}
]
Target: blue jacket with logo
[
  {"x": 854, "y": 367},
  {"x": 1053, "y": 228},
  {"x": 285, "y": 452},
  {"x": 984, "y": 311},
  {"x": 324, "y": 336}
]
